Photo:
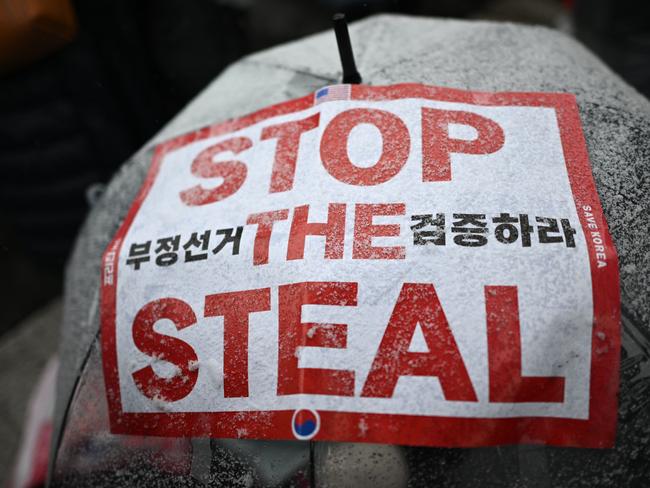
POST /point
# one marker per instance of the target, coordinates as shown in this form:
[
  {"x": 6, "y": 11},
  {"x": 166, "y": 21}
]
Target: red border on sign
[{"x": 599, "y": 430}]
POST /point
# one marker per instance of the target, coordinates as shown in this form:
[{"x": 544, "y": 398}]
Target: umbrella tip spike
[{"x": 350, "y": 73}]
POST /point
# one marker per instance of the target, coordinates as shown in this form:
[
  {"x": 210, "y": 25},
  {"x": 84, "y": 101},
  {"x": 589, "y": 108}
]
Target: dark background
[{"x": 69, "y": 119}]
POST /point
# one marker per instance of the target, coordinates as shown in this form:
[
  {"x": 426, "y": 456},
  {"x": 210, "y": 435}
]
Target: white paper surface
[{"x": 528, "y": 175}]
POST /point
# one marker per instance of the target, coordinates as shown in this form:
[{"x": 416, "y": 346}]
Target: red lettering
[
  {"x": 333, "y": 230},
  {"x": 365, "y": 230},
  {"x": 235, "y": 308},
  {"x": 232, "y": 172},
  {"x": 437, "y": 145},
  {"x": 418, "y": 303},
  {"x": 165, "y": 347},
  {"x": 396, "y": 145},
  {"x": 507, "y": 385},
  {"x": 286, "y": 151},
  {"x": 293, "y": 333},
  {"x": 264, "y": 221}
]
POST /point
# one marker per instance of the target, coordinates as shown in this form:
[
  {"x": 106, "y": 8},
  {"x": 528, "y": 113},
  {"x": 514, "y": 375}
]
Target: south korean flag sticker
[{"x": 305, "y": 424}]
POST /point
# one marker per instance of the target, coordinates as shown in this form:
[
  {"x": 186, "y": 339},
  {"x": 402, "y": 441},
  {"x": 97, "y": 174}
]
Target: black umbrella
[{"x": 477, "y": 56}]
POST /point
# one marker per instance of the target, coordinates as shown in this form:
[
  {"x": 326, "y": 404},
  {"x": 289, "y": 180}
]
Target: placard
[{"x": 404, "y": 264}]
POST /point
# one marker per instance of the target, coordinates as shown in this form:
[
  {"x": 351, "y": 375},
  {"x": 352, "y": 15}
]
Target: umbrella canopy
[{"x": 480, "y": 56}]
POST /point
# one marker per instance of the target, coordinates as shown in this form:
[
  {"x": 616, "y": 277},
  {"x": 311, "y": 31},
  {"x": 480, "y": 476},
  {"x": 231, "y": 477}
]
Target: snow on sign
[{"x": 403, "y": 264}]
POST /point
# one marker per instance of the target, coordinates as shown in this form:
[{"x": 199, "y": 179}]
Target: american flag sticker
[{"x": 332, "y": 93}]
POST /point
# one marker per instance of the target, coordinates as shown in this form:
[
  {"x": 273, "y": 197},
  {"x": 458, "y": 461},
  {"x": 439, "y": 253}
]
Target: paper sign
[{"x": 403, "y": 264}]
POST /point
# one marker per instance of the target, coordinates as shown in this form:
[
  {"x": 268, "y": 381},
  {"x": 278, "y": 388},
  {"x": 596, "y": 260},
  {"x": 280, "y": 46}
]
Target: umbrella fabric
[{"x": 480, "y": 56}]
